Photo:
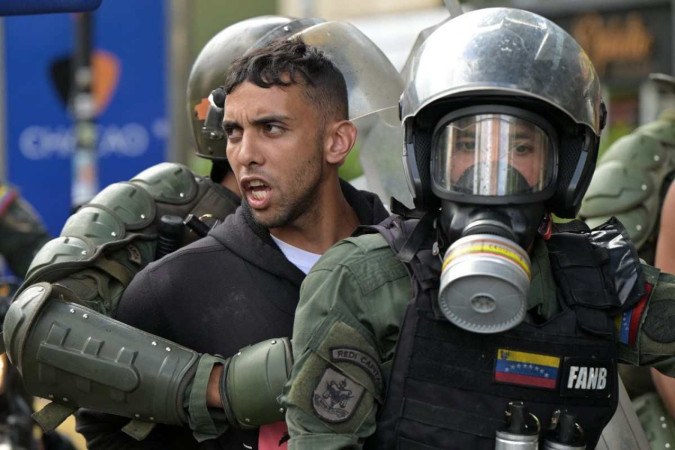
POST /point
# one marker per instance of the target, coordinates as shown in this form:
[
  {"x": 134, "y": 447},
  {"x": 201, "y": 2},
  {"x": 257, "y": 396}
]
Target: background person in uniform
[
  {"x": 630, "y": 183},
  {"x": 506, "y": 306},
  {"x": 634, "y": 174},
  {"x": 22, "y": 232}
]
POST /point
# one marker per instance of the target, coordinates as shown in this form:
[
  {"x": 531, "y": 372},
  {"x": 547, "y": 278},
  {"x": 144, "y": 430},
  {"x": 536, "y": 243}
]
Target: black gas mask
[{"x": 493, "y": 172}]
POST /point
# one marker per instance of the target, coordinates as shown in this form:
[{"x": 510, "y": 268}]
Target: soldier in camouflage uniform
[
  {"x": 630, "y": 183},
  {"x": 423, "y": 332}
]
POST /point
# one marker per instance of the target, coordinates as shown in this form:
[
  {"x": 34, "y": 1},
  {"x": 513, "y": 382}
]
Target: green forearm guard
[{"x": 80, "y": 358}]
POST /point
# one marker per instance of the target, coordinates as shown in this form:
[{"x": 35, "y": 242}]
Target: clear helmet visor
[
  {"x": 374, "y": 87},
  {"x": 491, "y": 155}
]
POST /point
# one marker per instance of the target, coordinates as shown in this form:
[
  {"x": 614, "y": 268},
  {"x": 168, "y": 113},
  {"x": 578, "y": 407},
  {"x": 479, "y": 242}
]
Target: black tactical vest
[{"x": 449, "y": 388}]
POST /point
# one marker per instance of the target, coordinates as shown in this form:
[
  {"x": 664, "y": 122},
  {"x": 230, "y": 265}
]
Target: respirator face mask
[{"x": 493, "y": 173}]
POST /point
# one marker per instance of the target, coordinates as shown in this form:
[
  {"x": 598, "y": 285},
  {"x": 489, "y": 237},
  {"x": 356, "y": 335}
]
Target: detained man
[{"x": 288, "y": 133}]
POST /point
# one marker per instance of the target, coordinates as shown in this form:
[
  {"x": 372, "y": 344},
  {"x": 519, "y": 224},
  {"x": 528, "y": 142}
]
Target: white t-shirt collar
[{"x": 300, "y": 258}]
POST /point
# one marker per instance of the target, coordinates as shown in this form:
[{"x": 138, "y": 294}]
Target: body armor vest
[{"x": 449, "y": 388}]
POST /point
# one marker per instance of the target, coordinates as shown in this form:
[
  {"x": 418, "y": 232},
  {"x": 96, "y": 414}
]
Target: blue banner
[
  {"x": 129, "y": 58},
  {"x": 13, "y": 7}
]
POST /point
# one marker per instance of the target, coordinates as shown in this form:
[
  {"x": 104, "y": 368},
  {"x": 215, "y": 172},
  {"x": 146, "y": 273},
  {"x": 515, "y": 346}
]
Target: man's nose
[{"x": 248, "y": 149}]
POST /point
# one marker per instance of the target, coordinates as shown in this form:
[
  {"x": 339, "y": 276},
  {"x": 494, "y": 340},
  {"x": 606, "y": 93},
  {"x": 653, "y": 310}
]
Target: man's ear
[{"x": 340, "y": 140}]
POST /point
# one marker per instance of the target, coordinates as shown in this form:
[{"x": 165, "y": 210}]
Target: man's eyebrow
[{"x": 264, "y": 120}]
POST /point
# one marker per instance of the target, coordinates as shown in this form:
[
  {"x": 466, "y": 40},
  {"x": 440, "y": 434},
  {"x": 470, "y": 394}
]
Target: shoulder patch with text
[{"x": 359, "y": 358}]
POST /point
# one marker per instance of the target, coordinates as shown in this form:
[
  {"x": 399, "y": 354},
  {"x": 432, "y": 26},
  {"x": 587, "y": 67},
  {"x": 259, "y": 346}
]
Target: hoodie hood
[{"x": 242, "y": 235}]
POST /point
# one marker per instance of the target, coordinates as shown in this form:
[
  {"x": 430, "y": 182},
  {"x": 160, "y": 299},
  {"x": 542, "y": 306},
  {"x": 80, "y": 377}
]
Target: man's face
[
  {"x": 495, "y": 155},
  {"x": 276, "y": 150}
]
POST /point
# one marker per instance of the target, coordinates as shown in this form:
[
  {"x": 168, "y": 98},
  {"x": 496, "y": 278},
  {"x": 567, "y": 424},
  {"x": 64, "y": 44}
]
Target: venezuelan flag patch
[
  {"x": 628, "y": 323},
  {"x": 526, "y": 369}
]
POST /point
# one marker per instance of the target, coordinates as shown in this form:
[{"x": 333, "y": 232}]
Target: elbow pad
[
  {"x": 253, "y": 381},
  {"x": 628, "y": 184}
]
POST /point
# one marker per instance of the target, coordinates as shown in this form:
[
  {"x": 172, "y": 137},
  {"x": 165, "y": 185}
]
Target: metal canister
[
  {"x": 565, "y": 433},
  {"x": 520, "y": 431}
]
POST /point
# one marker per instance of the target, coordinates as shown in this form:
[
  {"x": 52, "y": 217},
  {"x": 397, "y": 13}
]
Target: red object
[
  {"x": 637, "y": 315},
  {"x": 273, "y": 436},
  {"x": 524, "y": 380}
]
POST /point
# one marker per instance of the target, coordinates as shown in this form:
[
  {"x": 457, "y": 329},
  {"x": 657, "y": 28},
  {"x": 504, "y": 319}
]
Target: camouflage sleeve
[
  {"x": 646, "y": 334},
  {"x": 345, "y": 329},
  {"x": 21, "y": 230}
]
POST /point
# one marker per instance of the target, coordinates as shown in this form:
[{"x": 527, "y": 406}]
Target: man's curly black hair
[{"x": 288, "y": 62}]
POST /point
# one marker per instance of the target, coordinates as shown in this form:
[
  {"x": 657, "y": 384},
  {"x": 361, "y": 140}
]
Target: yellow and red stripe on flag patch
[{"x": 526, "y": 369}]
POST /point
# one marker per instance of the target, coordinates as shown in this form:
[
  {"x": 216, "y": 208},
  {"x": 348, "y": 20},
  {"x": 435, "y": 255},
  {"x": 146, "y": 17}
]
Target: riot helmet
[
  {"x": 205, "y": 101},
  {"x": 502, "y": 117},
  {"x": 374, "y": 86},
  {"x": 480, "y": 86}
]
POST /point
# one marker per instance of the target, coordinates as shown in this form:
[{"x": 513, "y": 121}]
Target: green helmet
[{"x": 205, "y": 102}]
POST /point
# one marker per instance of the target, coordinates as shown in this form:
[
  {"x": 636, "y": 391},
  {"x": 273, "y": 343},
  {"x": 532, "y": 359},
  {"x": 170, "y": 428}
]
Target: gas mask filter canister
[{"x": 484, "y": 283}]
